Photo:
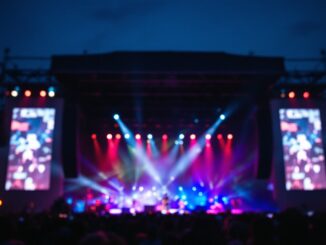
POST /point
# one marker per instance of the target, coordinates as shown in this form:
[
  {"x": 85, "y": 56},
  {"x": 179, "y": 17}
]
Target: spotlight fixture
[
  {"x": 181, "y": 136},
  {"x": 208, "y": 136},
  {"x": 306, "y": 95},
  {"x": 118, "y": 136},
  {"x": 116, "y": 117},
  {"x": 192, "y": 136},
  {"x": 138, "y": 136},
  {"x": 149, "y": 136},
  {"x": 283, "y": 94},
  {"x": 127, "y": 136},
  {"x": 28, "y": 93},
  {"x": 230, "y": 136},
  {"x": 109, "y": 136},
  {"x": 219, "y": 136},
  {"x": 43, "y": 93},
  {"x": 51, "y": 92},
  {"x": 93, "y": 136},
  {"x": 14, "y": 93},
  {"x": 291, "y": 94},
  {"x": 164, "y": 137},
  {"x": 222, "y": 117}
]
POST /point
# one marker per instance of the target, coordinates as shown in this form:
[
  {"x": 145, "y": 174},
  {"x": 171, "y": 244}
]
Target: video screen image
[
  {"x": 303, "y": 152},
  {"x": 30, "y": 149}
]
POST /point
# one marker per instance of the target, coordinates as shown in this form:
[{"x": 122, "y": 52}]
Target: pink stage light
[
  {"x": 306, "y": 95},
  {"x": 192, "y": 136},
  {"x": 138, "y": 136},
  {"x": 93, "y": 136},
  {"x": 219, "y": 136},
  {"x": 118, "y": 136},
  {"x": 164, "y": 137},
  {"x": 230, "y": 136},
  {"x": 109, "y": 136}
]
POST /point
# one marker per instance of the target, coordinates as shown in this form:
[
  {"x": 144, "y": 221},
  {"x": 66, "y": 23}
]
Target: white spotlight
[{"x": 116, "y": 116}]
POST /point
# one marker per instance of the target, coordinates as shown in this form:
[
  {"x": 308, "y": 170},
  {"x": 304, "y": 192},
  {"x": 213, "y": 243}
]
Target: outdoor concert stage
[{"x": 135, "y": 132}]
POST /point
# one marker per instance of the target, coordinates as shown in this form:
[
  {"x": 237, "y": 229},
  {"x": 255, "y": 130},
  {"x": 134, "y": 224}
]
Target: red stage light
[
  {"x": 230, "y": 136},
  {"x": 219, "y": 136},
  {"x": 93, "y": 136},
  {"x": 42, "y": 93},
  {"x": 164, "y": 137},
  {"x": 306, "y": 95},
  {"x": 192, "y": 136},
  {"x": 138, "y": 136},
  {"x": 291, "y": 95},
  {"x": 109, "y": 136},
  {"x": 28, "y": 93},
  {"x": 118, "y": 136}
]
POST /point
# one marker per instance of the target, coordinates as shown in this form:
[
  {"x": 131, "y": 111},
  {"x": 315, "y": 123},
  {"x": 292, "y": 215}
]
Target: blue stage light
[
  {"x": 194, "y": 188},
  {"x": 116, "y": 116},
  {"x": 69, "y": 200},
  {"x": 222, "y": 117},
  {"x": 181, "y": 136},
  {"x": 180, "y": 188},
  {"x": 149, "y": 136}
]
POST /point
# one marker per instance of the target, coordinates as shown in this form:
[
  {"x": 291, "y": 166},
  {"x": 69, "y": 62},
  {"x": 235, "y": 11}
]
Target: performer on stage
[{"x": 165, "y": 202}]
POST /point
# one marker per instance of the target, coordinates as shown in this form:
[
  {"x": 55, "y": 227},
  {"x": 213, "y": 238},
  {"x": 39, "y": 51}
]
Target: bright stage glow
[
  {"x": 127, "y": 136},
  {"x": 138, "y": 136},
  {"x": 304, "y": 160},
  {"x": 291, "y": 94},
  {"x": 109, "y": 136},
  {"x": 230, "y": 136},
  {"x": 192, "y": 136},
  {"x": 208, "y": 136},
  {"x": 222, "y": 117},
  {"x": 51, "y": 92},
  {"x": 181, "y": 136},
  {"x": 306, "y": 95},
  {"x": 14, "y": 93},
  {"x": 164, "y": 137},
  {"x": 219, "y": 136},
  {"x": 93, "y": 136},
  {"x": 118, "y": 136},
  {"x": 43, "y": 93},
  {"x": 149, "y": 136},
  {"x": 116, "y": 117},
  {"x": 28, "y": 93}
]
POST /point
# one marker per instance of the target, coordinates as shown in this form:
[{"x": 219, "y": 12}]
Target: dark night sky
[{"x": 43, "y": 28}]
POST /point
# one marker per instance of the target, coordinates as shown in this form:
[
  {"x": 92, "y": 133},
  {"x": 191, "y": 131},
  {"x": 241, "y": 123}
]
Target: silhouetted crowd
[{"x": 288, "y": 227}]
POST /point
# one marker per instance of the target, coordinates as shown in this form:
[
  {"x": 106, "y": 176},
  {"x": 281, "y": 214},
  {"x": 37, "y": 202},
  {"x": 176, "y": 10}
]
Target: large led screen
[
  {"x": 30, "y": 149},
  {"x": 303, "y": 153}
]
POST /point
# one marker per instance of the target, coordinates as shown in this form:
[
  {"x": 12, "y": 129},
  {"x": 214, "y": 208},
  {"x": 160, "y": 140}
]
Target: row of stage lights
[
  {"x": 164, "y": 136},
  {"x": 293, "y": 94},
  {"x": 50, "y": 92},
  {"x": 181, "y": 137}
]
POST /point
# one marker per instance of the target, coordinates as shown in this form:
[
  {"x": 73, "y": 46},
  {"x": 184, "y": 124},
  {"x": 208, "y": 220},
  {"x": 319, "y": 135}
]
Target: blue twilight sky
[{"x": 42, "y": 28}]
